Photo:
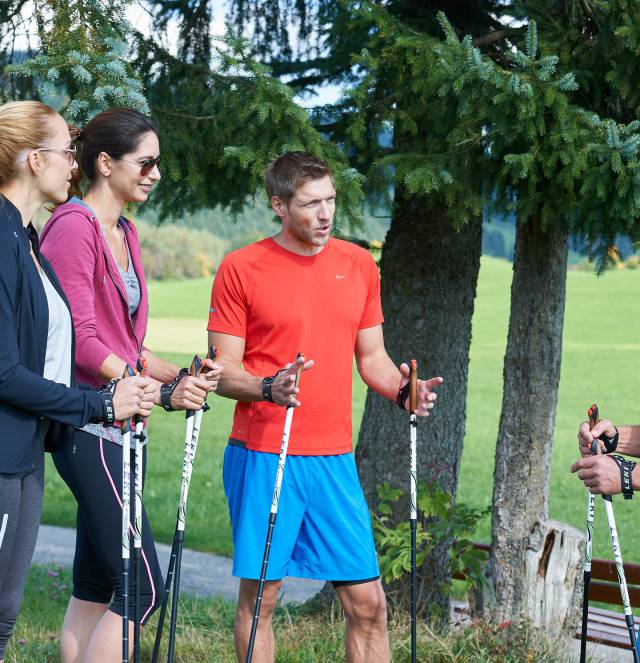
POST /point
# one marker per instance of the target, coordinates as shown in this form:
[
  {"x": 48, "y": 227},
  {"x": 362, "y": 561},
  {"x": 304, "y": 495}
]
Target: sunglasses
[{"x": 145, "y": 166}]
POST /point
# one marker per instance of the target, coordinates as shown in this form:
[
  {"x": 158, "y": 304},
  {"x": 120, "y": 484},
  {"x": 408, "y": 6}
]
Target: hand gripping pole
[
  {"x": 125, "y": 427},
  {"x": 172, "y": 582},
  {"x": 272, "y": 518},
  {"x": 413, "y": 516},
  {"x": 617, "y": 556}
]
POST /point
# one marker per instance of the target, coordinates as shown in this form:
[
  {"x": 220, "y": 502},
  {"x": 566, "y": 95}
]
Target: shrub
[{"x": 176, "y": 252}]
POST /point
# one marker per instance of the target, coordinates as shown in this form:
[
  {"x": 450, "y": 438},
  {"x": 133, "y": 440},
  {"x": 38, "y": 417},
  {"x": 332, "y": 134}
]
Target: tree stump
[{"x": 552, "y": 576}]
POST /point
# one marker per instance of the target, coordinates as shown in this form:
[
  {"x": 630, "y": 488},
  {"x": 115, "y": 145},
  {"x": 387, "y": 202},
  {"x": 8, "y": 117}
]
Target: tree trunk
[
  {"x": 429, "y": 274},
  {"x": 530, "y": 553}
]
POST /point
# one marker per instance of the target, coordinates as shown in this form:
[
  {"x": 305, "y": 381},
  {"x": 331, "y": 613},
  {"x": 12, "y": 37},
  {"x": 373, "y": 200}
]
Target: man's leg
[
  {"x": 265, "y": 647},
  {"x": 365, "y": 609}
]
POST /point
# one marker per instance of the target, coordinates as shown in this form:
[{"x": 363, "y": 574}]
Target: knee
[
  {"x": 248, "y": 596},
  {"x": 369, "y": 613}
]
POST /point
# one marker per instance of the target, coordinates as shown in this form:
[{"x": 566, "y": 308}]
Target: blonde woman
[{"x": 38, "y": 397}]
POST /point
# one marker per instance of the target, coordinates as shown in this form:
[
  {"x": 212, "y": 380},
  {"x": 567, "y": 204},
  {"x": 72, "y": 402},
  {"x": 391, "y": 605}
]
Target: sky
[{"x": 141, "y": 20}]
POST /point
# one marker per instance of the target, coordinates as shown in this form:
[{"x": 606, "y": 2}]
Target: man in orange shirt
[{"x": 303, "y": 290}]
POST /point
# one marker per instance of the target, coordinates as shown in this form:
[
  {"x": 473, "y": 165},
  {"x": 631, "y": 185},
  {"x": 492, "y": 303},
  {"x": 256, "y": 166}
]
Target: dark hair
[
  {"x": 286, "y": 174},
  {"x": 116, "y": 131}
]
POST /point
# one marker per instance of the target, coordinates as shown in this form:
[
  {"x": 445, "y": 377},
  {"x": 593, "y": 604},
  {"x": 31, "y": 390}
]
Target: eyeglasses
[
  {"x": 145, "y": 166},
  {"x": 69, "y": 153}
]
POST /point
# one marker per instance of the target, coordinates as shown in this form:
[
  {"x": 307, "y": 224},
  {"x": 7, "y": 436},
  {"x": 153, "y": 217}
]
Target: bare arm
[
  {"x": 381, "y": 374},
  {"x": 374, "y": 364},
  {"x": 240, "y": 385},
  {"x": 628, "y": 441}
]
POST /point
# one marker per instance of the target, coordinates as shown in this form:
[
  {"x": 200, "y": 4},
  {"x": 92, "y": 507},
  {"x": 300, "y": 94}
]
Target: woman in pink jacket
[{"x": 96, "y": 254}]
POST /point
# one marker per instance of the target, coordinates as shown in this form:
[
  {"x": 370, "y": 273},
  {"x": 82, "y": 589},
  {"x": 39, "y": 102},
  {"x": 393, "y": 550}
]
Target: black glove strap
[
  {"x": 109, "y": 411},
  {"x": 403, "y": 394},
  {"x": 167, "y": 389},
  {"x": 610, "y": 443},
  {"x": 626, "y": 470},
  {"x": 266, "y": 386}
]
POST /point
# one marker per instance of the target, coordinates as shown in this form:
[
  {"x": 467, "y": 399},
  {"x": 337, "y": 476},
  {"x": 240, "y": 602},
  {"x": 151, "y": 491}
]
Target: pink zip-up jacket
[{"x": 74, "y": 243}]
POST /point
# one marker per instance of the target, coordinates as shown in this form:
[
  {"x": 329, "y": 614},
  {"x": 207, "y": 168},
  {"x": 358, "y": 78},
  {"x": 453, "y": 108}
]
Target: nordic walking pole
[
  {"x": 126, "y": 543},
  {"x": 586, "y": 571},
  {"x": 617, "y": 555},
  {"x": 139, "y": 437},
  {"x": 272, "y": 517},
  {"x": 191, "y": 441},
  {"x": 187, "y": 468},
  {"x": 413, "y": 424}
]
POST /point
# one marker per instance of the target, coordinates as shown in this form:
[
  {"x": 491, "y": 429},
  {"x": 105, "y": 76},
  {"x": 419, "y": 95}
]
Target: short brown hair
[
  {"x": 24, "y": 126},
  {"x": 286, "y": 174}
]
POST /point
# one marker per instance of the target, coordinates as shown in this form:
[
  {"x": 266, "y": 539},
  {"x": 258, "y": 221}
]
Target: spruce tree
[
  {"x": 561, "y": 169},
  {"x": 82, "y": 66}
]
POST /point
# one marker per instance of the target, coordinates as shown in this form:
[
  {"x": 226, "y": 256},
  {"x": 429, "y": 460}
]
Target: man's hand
[
  {"x": 600, "y": 474},
  {"x": 586, "y": 436},
  {"x": 283, "y": 389},
  {"x": 133, "y": 396},
  {"x": 426, "y": 395},
  {"x": 190, "y": 393},
  {"x": 211, "y": 372}
]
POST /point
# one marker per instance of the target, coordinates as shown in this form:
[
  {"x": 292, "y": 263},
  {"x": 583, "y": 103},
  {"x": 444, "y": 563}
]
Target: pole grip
[
  {"x": 299, "y": 371},
  {"x": 141, "y": 369},
  {"x": 196, "y": 366},
  {"x": 413, "y": 386},
  {"x": 594, "y": 418},
  {"x": 129, "y": 372}
]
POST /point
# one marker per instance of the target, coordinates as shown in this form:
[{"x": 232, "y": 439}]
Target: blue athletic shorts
[{"x": 323, "y": 528}]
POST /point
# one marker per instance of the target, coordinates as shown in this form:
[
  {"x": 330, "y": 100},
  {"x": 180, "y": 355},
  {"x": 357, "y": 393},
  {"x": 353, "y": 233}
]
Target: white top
[{"x": 57, "y": 363}]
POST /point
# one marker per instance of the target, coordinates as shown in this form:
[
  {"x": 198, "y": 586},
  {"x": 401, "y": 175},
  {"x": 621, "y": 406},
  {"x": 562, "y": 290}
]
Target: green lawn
[
  {"x": 600, "y": 363},
  {"x": 205, "y": 633}
]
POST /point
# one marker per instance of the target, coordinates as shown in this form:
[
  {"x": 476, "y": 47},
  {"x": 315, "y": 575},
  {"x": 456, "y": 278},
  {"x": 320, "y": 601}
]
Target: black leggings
[{"x": 92, "y": 468}]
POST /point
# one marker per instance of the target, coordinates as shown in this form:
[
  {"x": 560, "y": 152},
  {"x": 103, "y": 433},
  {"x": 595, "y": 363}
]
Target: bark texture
[
  {"x": 522, "y": 538},
  {"x": 429, "y": 274}
]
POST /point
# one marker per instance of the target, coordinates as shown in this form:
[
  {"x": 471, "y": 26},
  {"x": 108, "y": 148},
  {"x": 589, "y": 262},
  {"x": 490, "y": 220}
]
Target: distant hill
[{"x": 258, "y": 221}]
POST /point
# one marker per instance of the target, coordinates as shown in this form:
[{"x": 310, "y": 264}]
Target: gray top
[
  {"x": 57, "y": 363},
  {"x": 131, "y": 283},
  {"x": 132, "y": 286}
]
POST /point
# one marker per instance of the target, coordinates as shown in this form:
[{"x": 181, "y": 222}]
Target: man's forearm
[
  {"x": 629, "y": 440},
  {"x": 380, "y": 374},
  {"x": 239, "y": 385}
]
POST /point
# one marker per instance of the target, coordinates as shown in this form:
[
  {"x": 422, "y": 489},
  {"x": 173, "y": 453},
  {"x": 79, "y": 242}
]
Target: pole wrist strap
[
  {"x": 626, "y": 471},
  {"x": 108, "y": 409},
  {"x": 167, "y": 389},
  {"x": 266, "y": 386},
  {"x": 403, "y": 394},
  {"x": 610, "y": 443}
]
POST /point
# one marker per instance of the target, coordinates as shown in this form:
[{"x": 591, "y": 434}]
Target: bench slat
[
  {"x": 605, "y": 569},
  {"x": 609, "y": 592}
]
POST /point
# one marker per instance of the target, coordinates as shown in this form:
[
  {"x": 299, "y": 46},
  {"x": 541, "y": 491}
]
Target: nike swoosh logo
[{"x": 341, "y": 276}]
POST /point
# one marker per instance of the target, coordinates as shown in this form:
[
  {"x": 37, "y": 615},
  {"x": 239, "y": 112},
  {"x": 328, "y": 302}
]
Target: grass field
[
  {"x": 600, "y": 363},
  {"x": 205, "y": 633}
]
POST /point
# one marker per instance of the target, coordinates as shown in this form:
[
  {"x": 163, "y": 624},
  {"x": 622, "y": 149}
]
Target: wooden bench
[{"x": 604, "y": 626}]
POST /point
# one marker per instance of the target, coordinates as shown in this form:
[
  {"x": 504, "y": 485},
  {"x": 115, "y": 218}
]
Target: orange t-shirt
[{"x": 281, "y": 303}]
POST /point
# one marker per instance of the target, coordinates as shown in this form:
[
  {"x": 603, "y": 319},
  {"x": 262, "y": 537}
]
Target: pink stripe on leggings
[{"x": 144, "y": 557}]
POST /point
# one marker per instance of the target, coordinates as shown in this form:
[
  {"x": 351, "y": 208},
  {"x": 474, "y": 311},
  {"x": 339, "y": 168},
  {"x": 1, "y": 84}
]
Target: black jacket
[{"x": 26, "y": 398}]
